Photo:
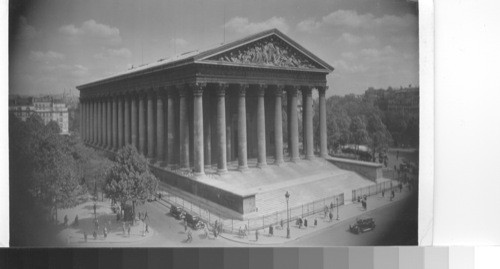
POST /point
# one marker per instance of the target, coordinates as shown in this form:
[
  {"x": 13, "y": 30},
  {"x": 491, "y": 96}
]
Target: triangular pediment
[{"x": 271, "y": 50}]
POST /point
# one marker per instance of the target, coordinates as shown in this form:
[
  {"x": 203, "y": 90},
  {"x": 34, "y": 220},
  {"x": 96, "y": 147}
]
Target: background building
[{"x": 47, "y": 107}]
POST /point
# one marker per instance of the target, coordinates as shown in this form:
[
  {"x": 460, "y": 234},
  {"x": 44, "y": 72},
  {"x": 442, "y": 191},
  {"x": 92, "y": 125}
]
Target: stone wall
[
  {"x": 372, "y": 171},
  {"x": 240, "y": 203}
]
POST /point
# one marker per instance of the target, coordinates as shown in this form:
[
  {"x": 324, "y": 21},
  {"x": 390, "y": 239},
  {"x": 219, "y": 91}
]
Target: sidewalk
[
  {"x": 74, "y": 235},
  {"x": 346, "y": 212}
]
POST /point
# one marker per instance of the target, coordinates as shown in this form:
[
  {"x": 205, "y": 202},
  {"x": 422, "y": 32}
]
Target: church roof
[{"x": 267, "y": 49}]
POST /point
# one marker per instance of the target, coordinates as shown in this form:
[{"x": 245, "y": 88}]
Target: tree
[
  {"x": 358, "y": 132},
  {"x": 129, "y": 179},
  {"x": 380, "y": 137},
  {"x": 53, "y": 127}
]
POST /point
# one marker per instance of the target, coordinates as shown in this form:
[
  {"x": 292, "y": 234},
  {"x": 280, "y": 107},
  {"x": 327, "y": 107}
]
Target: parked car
[
  {"x": 362, "y": 225},
  {"x": 177, "y": 212},
  {"x": 194, "y": 222}
]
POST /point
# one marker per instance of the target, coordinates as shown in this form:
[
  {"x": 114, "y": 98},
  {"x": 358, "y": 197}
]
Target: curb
[{"x": 314, "y": 232}]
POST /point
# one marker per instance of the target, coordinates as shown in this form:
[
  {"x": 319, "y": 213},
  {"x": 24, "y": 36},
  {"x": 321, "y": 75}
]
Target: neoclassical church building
[{"x": 211, "y": 122}]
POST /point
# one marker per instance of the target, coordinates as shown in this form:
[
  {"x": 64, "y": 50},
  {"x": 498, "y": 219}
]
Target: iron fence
[{"x": 373, "y": 189}]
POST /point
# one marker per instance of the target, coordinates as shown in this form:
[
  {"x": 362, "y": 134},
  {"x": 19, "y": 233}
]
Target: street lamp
[
  {"x": 287, "y": 195},
  {"x": 337, "y": 207}
]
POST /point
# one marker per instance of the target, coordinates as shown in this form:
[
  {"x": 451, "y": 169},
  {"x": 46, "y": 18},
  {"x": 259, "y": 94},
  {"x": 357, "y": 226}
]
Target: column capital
[
  {"x": 293, "y": 90},
  {"x": 322, "y": 89},
  {"x": 197, "y": 88},
  {"x": 278, "y": 91},
  {"x": 306, "y": 90},
  {"x": 242, "y": 89},
  {"x": 261, "y": 89},
  {"x": 221, "y": 89}
]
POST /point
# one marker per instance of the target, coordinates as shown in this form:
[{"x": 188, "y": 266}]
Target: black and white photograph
[{"x": 175, "y": 123}]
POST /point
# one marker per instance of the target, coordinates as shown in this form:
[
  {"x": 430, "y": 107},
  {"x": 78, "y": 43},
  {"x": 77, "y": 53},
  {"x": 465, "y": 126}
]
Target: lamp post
[
  {"x": 287, "y": 195},
  {"x": 337, "y": 207}
]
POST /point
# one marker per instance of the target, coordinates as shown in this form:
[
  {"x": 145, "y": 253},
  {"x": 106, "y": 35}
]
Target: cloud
[
  {"x": 117, "y": 53},
  {"x": 49, "y": 56},
  {"x": 351, "y": 19},
  {"x": 352, "y": 39},
  {"x": 179, "y": 42},
  {"x": 348, "y": 67},
  {"x": 63, "y": 71},
  {"x": 244, "y": 26},
  {"x": 90, "y": 29},
  {"x": 310, "y": 25},
  {"x": 26, "y": 32}
]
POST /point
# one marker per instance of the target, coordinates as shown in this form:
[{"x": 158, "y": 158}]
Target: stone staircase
[{"x": 307, "y": 190}]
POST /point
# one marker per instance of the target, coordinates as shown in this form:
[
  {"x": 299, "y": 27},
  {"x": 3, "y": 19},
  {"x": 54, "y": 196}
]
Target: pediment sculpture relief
[{"x": 267, "y": 52}]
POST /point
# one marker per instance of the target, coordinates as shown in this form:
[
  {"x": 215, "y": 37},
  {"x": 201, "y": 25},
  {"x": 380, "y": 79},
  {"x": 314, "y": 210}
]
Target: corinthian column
[
  {"x": 308, "y": 113},
  {"x": 151, "y": 126},
  {"x": 171, "y": 132},
  {"x": 120, "y": 122},
  {"x": 294, "y": 125},
  {"x": 184, "y": 128},
  {"x": 126, "y": 124},
  {"x": 133, "y": 120},
  {"x": 242, "y": 128},
  {"x": 199, "y": 165},
  {"x": 221, "y": 128},
  {"x": 278, "y": 126},
  {"x": 261, "y": 127},
  {"x": 160, "y": 129},
  {"x": 322, "y": 123},
  {"x": 142, "y": 125},
  {"x": 109, "y": 125}
]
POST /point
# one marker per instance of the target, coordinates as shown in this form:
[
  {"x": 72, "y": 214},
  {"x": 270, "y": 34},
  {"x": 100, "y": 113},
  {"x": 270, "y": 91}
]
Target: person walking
[
  {"x": 123, "y": 228},
  {"x": 315, "y": 222},
  {"x": 85, "y": 236},
  {"x": 305, "y": 223},
  {"x": 185, "y": 226},
  {"x": 128, "y": 230},
  {"x": 331, "y": 216},
  {"x": 281, "y": 224},
  {"x": 270, "y": 230},
  {"x": 392, "y": 195},
  {"x": 95, "y": 235},
  {"x": 146, "y": 215},
  {"x": 189, "y": 237},
  {"x": 215, "y": 232},
  {"x": 105, "y": 232},
  {"x": 256, "y": 235}
]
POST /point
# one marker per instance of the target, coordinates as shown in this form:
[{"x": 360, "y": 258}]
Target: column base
[
  {"x": 243, "y": 168},
  {"x": 279, "y": 163},
  {"x": 310, "y": 157},
  {"x": 295, "y": 159},
  {"x": 221, "y": 171},
  {"x": 208, "y": 166},
  {"x": 261, "y": 165},
  {"x": 199, "y": 174}
]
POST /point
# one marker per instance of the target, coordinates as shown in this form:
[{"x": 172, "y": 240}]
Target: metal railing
[
  {"x": 373, "y": 189},
  {"x": 232, "y": 226}
]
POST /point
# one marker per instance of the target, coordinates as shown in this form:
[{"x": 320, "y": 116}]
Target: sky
[{"x": 56, "y": 45}]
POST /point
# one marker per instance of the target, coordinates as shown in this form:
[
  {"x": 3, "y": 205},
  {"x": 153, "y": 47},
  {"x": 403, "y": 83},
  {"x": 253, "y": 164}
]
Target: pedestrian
[
  {"x": 189, "y": 236},
  {"x": 105, "y": 232},
  {"x": 95, "y": 235},
  {"x": 147, "y": 228},
  {"x": 331, "y": 216},
  {"x": 400, "y": 187},
  {"x": 205, "y": 229},
  {"x": 185, "y": 226},
  {"x": 300, "y": 223},
  {"x": 76, "y": 221},
  {"x": 146, "y": 215},
  {"x": 271, "y": 230},
  {"x": 331, "y": 206},
  {"x": 305, "y": 223},
  {"x": 65, "y": 220},
  {"x": 85, "y": 236},
  {"x": 215, "y": 232},
  {"x": 256, "y": 235},
  {"x": 315, "y": 222},
  {"x": 383, "y": 192},
  {"x": 392, "y": 195},
  {"x": 123, "y": 228},
  {"x": 95, "y": 208},
  {"x": 281, "y": 223},
  {"x": 159, "y": 195},
  {"x": 325, "y": 211},
  {"x": 128, "y": 231}
]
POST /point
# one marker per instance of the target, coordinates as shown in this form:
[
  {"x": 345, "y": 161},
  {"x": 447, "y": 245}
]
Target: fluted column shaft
[
  {"x": 199, "y": 164},
  {"x": 261, "y": 127},
  {"x": 183, "y": 129},
  {"x": 120, "y": 122},
  {"x": 126, "y": 124},
  {"x": 207, "y": 136},
  {"x": 115, "y": 123},
  {"x": 160, "y": 129},
  {"x": 308, "y": 113},
  {"x": 171, "y": 132},
  {"x": 242, "y": 128},
  {"x": 294, "y": 125},
  {"x": 278, "y": 126},
  {"x": 100, "y": 123},
  {"x": 322, "y": 123},
  {"x": 109, "y": 131},
  {"x": 103, "y": 123},
  {"x": 142, "y": 125},
  {"x": 151, "y": 126},
  {"x": 221, "y": 128},
  {"x": 133, "y": 120},
  {"x": 96, "y": 122}
]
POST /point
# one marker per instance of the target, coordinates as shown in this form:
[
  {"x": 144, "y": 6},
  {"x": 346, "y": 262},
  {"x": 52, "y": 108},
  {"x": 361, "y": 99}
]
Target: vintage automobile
[
  {"x": 177, "y": 212},
  {"x": 362, "y": 225},
  {"x": 194, "y": 222}
]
